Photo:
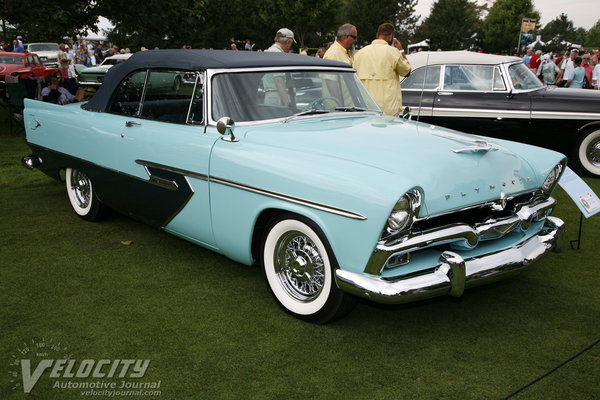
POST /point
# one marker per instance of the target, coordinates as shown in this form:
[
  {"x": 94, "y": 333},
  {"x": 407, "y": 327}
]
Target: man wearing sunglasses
[{"x": 343, "y": 47}]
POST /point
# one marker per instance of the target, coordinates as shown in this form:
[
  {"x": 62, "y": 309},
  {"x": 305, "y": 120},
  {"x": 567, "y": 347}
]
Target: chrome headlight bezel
[
  {"x": 402, "y": 216},
  {"x": 552, "y": 179}
]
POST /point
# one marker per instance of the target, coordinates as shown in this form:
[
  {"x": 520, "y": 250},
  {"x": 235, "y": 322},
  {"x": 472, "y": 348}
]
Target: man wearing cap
[
  {"x": 380, "y": 65},
  {"x": 274, "y": 84},
  {"x": 341, "y": 49},
  {"x": 283, "y": 41}
]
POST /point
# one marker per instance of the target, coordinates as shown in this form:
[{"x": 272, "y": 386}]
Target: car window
[
  {"x": 255, "y": 96},
  {"x": 14, "y": 60},
  {"x": 197, "y": 108},
  {"x": 498, "y": 81},
  {"x": 168, "y": 96},
  {"x": 523, "y": 78},
  {"x": 468, "y": 77},
  {"x": 127, "y": 96},
  {"x": 423, "y": 78}
]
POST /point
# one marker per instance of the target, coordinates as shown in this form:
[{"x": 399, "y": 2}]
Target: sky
[{"x": 583, "y": 13}]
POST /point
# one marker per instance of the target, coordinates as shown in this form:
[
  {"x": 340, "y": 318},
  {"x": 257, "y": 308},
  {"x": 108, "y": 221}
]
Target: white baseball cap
[{"x": 285, "y": 32}]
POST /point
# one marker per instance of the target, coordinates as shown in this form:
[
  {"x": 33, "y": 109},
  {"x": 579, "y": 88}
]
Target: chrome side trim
[
  {"x": 453, "y": 274},
  {"x": 462, "y": 235},
  {"x": 185, "y": 172},
  {"x": 291, "y": 199},
  {"x": 479, "y": 113},
  {"x": 564, "y": 115},
  {"x": 483, "y": 113},
  {"x": 237, "y": 185}
]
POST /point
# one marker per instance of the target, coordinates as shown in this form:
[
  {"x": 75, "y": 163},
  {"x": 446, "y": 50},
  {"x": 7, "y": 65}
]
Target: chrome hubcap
[
  {"x": 593, "y": 152},
  {"x": 299, "y": 266},
  {"x": 80, "y": 185}
]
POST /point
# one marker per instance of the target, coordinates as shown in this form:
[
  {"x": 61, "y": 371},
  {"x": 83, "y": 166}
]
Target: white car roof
[
  {"x": 457, "y": 57},
  {"x": 120, "y": 56}
]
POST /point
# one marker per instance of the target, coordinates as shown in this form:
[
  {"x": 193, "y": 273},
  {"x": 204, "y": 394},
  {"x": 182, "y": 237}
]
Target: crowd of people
[
  {"x": 378, "y": 65},
  {"x": 574, "y": 69}
]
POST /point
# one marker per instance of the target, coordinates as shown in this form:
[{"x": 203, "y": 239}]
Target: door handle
[{"x": 129, "y": 124}]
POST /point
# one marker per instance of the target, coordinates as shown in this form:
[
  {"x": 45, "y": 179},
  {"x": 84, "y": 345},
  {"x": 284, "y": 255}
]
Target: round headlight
[
  {"x": 552, "y": 178},
  {"x": 400, "y": 215}
]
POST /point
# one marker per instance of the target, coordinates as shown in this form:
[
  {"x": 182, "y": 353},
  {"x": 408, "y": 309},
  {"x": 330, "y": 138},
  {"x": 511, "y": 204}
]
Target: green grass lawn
[{"x": 121, "y": 290}]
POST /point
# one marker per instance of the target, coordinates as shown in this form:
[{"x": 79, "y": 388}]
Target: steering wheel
[{"x": 318, "y": 102}]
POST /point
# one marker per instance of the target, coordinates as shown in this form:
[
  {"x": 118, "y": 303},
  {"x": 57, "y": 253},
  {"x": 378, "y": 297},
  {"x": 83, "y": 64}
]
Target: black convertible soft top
[{"x": 197, "y": 60}]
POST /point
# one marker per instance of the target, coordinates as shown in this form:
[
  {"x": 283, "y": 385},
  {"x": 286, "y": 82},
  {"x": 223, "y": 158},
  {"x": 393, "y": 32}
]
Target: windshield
[
  {"x": 15, "y": 60},
  {"x": 256, "y": 96},
  {"x": 43, "y": 47},
  {"x": 523, "y": 78}
]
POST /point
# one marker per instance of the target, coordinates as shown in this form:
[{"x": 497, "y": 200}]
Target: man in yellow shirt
[
  {"x": 380, "y": 65},
  {"x": 341, "y": 49}
]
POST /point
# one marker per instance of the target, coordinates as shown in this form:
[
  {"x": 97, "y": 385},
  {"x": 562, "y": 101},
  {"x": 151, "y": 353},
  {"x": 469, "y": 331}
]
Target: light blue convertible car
[{"x": 286, "y": 161}]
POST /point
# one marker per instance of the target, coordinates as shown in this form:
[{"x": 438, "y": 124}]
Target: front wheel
[
  {"x": 82, "y": 196},
  {"x": 587, "y": 152},
  {"x": 299, "y": 267}
]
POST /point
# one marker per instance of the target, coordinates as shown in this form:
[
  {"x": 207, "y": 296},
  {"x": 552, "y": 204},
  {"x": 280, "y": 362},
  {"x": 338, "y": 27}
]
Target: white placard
[{"x": 584, "y": 197}]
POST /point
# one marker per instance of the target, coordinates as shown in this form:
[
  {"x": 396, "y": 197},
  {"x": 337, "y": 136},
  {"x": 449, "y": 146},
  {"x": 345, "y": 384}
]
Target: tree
[
  {"x": 49, "y": 21},
  {"x": 560, "y": 29},
  {"x": 593, "y": 37},
  {"x": 215, "y": 23},
  {"x": 452, "y": 25},
  {"x": 367, "y": 15},
  {"x": 310, "y": 20},
  {"x": 502, "y": 25}
]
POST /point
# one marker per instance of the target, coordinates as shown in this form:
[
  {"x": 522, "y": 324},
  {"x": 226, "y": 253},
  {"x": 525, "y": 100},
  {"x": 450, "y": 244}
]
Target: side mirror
[
  {"x": 406, "y": 113},
  {"x": 225, "y": 126}
]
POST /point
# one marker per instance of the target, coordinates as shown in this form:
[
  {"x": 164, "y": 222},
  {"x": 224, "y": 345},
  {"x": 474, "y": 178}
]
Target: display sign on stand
[{"x": 582, "y": 195}]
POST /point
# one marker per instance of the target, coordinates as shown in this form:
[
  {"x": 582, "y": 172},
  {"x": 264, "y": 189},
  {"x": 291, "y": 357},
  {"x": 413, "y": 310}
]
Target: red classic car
[{"x": 23, "y": 65}]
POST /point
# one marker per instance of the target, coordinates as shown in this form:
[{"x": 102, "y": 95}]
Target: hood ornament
[{"x": 479, "y": 145}]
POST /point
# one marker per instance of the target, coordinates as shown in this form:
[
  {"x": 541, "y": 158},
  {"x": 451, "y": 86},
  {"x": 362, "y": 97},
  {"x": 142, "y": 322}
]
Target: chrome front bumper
[{"x": 453, "y": 274}]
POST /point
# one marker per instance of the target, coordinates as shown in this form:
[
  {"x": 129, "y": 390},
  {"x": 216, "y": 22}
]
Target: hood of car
[
  {"x": 46, "y": 53},
  {"x": 6, "y": 69},
  {"x": 452, "y": 169}
]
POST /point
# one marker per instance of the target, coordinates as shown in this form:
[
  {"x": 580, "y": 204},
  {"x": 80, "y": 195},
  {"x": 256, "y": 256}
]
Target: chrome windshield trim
[
  {"x": 291, "y": 199},
  {"x": 464, "y": 235},
  {"x": 210, "y": 73}
]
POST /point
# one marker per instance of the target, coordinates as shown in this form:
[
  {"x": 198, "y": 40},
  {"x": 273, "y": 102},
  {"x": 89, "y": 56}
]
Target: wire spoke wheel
[{"x": 299, "y": 267}]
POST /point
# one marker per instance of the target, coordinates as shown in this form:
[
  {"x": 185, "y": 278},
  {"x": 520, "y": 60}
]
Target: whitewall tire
[
  {"x": 299, "y": 267},
  {"x": 587, "y": 152},
  {"x": 82, "y": 197}
]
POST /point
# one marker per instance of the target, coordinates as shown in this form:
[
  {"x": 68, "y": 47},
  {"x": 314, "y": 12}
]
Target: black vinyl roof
[{"x": 197, "y": 60}]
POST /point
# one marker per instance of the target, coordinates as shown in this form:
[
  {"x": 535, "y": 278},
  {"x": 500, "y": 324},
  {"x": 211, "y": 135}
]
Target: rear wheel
[
  {"x": 299, "y": 267},
  {"x": 82, "y": 196},
  {"x": 587, "y": 152}
]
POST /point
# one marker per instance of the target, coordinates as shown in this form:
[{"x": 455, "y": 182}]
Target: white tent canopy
[
  {"x": 422, "y": 43},
  {"x": 104, "y": 26}
]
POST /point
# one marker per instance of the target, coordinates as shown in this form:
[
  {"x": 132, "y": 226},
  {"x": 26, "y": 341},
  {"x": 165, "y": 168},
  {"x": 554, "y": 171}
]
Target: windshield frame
[
  {"x": 524, "y": 67},
  {"x": 212, "y": 73}
]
